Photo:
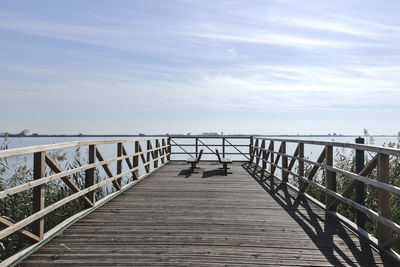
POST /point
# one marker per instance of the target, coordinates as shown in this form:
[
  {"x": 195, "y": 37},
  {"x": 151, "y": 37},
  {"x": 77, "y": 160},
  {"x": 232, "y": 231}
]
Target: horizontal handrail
[
  {"x": 370, "y": 148},
  {"x": 33, "y": 149},
  {"x": 210, "y": 136},
  {"x": 218, "y": 145}
]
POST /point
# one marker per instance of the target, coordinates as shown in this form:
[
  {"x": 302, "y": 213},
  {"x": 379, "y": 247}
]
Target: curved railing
[
  {"x": 270, "y": 154},
  {"x": 140, "y": 163}
]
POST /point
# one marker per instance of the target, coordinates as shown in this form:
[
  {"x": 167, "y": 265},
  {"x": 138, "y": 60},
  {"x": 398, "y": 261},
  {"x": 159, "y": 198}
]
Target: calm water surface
[{"x": 33, "y": 141}]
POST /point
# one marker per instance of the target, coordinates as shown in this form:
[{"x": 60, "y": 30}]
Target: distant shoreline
[{"x": 142, "y": 135}]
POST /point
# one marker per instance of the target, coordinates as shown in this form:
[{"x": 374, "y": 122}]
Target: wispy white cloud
[
  {"x": 257, "y": 88},
  {"x": 278, "y": 39},
  {"x": 330, "y": 26},
  {"x": 71, "y": 32},
  {"x": 367, "y": 24}
]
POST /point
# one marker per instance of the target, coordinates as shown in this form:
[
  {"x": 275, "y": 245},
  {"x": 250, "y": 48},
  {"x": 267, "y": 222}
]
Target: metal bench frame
[
  {"x": 223, "y": 161},
  {"x": 193, "y": 161}
]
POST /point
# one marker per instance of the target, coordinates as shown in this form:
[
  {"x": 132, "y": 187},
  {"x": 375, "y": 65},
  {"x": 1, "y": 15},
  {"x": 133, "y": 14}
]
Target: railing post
[
  {"x": 383, "y": 232},
  {"x": 135, "y": 160},
  {"x": 263, "y": 160},
  {"x": 285, "y": 175},
  {"x": 197, "y": 146},
  {"x": 119, "y": 163},
  {"x": 38, "y": 192},
  {"x": 251, "y": 154},
  {"x": 161, "y": 149},
  {"x": 164, "y": 153},
  {"x": 264, "y": 156},
  {"x": 255, "y": 152},
  {"x": 271, "y": 144},
  {"x": 271, "y": 177},
  {"x": 330, "y": 177},
  {"x": 148, "y": 147},
  {"x": 156, "y": 153},
  {"x": 360, "y": 189},
  {"x": 169, "y": 148},
  {"x": 90, "y": 174},
  {"x": 301, "y": 164},
  {"x": 223, "y": 147}
]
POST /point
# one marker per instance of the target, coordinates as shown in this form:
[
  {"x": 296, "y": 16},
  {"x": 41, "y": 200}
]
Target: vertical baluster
[
  {"x": 148, "y": 157},
  {"x": 164, "y": 150},
  {"x": 330, "y": 177},
  {"x": 301, "y": 164},
  {"x": 284, "y": 163},
  {"x": 119, "y": 163},
  {"x": 251, "y": 153},
  {"x": 161, "y": 150},
  {"x": 223, "y": 147},
  {"x": 90, "y": 174},
  {"x": 169, "y": 148},
  {"x": 38, "y": 192},
  {"x": 263, "y": 159},
  {"x": 197, "y": 146},
  {"x": 272, "y": 162},
  {"x": 157, "y": 148},
  {"x": 360, "y": 189},
  {"x": 383, "y": 232},
  {"x": 136, "y": 161},
  {"x": 255, "y": 151}
]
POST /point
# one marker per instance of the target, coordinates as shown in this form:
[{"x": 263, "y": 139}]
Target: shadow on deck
[
  {"x": 322, "y": 230},
  {"x": 179, "y": 218}
]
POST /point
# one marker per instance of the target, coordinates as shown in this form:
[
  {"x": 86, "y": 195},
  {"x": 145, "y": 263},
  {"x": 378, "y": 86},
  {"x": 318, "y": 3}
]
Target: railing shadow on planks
[
  {"x": 268, "y": 159},
  {"x": 260, "y": 152}
]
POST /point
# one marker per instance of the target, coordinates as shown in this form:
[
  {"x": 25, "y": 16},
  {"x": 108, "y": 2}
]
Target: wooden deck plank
[{"x": 206, "y": 219}]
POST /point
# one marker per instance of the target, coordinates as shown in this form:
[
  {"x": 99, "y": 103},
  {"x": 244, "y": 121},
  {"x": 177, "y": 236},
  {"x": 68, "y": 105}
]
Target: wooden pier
[
  {"x": 163, "y": 214},
  {"x": 178, "y": 218}
]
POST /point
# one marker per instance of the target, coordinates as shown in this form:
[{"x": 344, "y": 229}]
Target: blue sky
[{"x": 256, "y": 66}]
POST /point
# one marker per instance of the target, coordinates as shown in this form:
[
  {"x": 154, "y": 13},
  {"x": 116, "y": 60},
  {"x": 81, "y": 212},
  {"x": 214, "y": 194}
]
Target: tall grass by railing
[{"x": 35, "y": 202}]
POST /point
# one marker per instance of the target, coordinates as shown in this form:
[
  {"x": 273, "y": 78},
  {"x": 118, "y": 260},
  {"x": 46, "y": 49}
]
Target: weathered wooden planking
[{"x": 206, "y": 219}]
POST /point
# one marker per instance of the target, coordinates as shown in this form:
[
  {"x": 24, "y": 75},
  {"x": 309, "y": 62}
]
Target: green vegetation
[
  {"x": 346, "y": 161},
  {"x": 19, "y": 206}
]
